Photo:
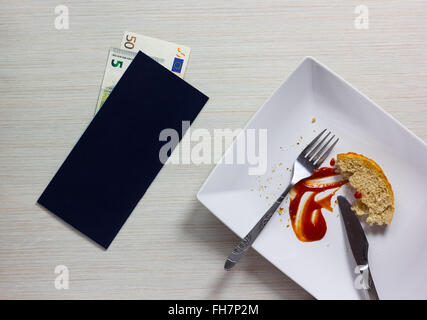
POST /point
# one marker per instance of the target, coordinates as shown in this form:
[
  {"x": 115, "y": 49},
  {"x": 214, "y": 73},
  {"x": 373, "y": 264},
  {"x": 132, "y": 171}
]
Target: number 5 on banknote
[{"x": 117, "y": 63}]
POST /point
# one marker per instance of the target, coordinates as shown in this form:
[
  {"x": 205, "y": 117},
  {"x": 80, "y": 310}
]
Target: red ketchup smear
[
  {"x": 332, "y": 162},
  {"x": 358, "y": 195},
  {"x": 309, "y": 223}
]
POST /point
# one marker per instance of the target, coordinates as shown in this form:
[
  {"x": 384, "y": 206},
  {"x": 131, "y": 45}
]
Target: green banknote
[{"x": 117, "y": 63}]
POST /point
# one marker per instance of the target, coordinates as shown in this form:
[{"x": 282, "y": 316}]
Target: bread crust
[{"x": 367, "y": 162}]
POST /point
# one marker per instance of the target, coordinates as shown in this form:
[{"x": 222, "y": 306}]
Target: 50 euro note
[
  {"x": 117, "y": 63},
  {"x": 172, "y": 56}
]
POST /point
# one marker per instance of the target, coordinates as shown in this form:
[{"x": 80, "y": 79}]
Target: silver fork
[{"x": 308, "y": 160}]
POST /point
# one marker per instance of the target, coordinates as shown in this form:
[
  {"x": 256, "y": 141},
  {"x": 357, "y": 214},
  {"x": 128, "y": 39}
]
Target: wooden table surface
[{"x": 171, "y": 246}]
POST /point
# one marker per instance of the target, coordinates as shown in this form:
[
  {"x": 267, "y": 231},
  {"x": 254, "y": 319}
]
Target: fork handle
[{"x": 239, "y": 251}]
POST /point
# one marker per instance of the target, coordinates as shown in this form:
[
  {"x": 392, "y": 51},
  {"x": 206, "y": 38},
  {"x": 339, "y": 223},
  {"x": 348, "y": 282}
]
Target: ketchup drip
[{"x": 308, "y": 222}]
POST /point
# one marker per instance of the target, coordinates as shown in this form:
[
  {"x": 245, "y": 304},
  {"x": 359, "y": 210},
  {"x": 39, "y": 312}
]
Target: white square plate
[{"x": 325, "y": 268}]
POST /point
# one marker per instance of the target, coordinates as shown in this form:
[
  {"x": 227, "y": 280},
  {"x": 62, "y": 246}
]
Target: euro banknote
[
  {"x": 117, "y": 63},
  {"x": 170, "y": 55}
]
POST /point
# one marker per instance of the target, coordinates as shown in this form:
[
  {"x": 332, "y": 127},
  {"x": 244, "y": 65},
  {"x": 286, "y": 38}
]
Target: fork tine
[
  {"x": 325, "y": 155},
  {"x": 320, "y": 152},
  {"x": 310, "y": 145},
  {"x": 313, "y": 152}
]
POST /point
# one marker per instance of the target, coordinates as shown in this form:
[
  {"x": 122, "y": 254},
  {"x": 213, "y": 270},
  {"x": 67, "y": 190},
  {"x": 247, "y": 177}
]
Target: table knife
[{"x": 359, "y": 246}]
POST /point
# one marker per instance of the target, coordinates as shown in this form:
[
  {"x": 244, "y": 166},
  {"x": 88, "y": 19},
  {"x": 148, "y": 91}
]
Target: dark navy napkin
[{"x": 117, "y": 157}]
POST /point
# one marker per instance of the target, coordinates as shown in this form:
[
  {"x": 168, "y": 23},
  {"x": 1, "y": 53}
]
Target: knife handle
[{"x": 370, "y": 292}]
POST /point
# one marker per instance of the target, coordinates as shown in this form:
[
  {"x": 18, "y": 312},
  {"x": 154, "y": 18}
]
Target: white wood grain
[{"x": 171, "y": 246}]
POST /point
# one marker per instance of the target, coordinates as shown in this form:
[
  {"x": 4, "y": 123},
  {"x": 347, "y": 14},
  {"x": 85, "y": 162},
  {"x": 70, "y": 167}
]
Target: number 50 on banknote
[{"x": 170, "y": 55}]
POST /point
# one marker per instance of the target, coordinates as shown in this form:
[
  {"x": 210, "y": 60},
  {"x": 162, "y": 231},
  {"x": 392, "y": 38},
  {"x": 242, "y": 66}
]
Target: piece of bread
[{"x": 374, "y": 192}]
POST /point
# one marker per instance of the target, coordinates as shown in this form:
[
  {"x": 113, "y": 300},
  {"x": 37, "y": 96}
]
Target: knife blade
[{"x": 358, "y": 243}]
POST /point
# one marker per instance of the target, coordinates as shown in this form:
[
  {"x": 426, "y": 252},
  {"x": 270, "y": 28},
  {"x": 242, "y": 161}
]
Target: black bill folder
[{"x": 117, "y": 157}]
